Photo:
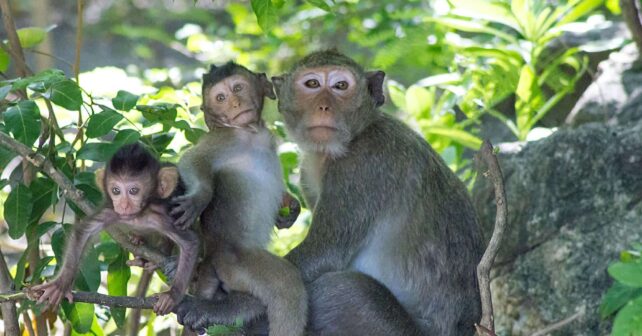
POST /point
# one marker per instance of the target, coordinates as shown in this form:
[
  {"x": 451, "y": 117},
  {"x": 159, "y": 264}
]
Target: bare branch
[
  {"x": 558, "y": 325},
  {"x": 76, "y": 196},
  {"x": 9, "y": 314},
  {"x": 487, "y": 156},
  {"x": 95, "y": 298},
  {"x": 631, "y": 15}
]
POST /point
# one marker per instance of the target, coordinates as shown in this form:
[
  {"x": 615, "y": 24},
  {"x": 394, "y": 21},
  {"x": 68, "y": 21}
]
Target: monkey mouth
[
  {"x": 242, "y": 113},
  {"x": 322, "y": 133}
]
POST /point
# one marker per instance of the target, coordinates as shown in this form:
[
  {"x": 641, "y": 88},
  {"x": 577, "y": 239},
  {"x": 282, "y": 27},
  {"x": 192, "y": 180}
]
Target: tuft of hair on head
[
  {"x": 327, "y": 57},
  {"x": 133, "y": 160}
]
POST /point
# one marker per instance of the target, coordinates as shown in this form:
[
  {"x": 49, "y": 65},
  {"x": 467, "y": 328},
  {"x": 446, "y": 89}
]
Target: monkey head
[
  {"x": 233, "y": 95},
  {"x": 133, "y": 178},
  {"x": 327, "y": 99}
]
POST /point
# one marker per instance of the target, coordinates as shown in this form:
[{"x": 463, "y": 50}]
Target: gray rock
[
  {"x": 574, "y": 203},
  {"x": 603, "y": 101}
]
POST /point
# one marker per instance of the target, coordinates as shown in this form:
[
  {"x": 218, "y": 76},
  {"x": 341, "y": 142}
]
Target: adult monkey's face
[{"x": 327, "y": 100}]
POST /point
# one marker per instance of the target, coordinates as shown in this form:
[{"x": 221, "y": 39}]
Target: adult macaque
[
  {"x": 394, "y": 239},
  {"x": 136, "y": 189},
  {"x": 233, "y": 177}
]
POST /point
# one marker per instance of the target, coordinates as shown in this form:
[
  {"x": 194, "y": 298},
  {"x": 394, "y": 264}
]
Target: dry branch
[
  {"x": 487, "y": 155},
  {"x": 95, "y": 298},
  {"x": 558, "y": 325}
]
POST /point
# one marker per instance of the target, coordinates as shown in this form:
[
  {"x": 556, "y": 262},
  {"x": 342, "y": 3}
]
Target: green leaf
[
  {"x": 4, "y": 60},
  {"x": 494, "y": 11},
  {"x": 459, "y": 136},
  {"x": 58, "y": 244},
  {"x": 397, "y": 94},
  {"x": 419, "y": 101},
  {"x": 65, "y": 93},
  {"x": 102, "y": 123},
  {"x": 616, "y": 297},
  {"x": 23, "y": 121},
  {"x": 582, "y": 8},
  {"x": 528, "y": 99},
  {"x": 162, "y": 112},
  {"x": 31, "y": 36},
  {"x": 472, "y": 27},
  {"x": 17, "y": 210},
  {"x": 629, "y": 274},
  {"x": 99, "y": 152},
  {"x": 21, "y": 269},
  {"x": 42, "y": 263},
  {"x": 321, "y": 4},
  {"x": 124, "y": 100},
  {"x": 126, "y": 137},
  {"x": 628, "y": 321},
  {"x": 45, "y": 194},
  {"x": 118, "y": 274},
  {"x": 158, "y": 141},
  {"x": 266, "y": 14},
  {"x": 4, "y": 91},
  {"x": 88, "y": 277},
  {"x": 81, "y": 315}
]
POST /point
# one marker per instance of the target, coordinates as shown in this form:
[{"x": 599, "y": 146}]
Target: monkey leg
[
  {"x": 273, "y": 280},
  {"x": 352, "y": 303}
]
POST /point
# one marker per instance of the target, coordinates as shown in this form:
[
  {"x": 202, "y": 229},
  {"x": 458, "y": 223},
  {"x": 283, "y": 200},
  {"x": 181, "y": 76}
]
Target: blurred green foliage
[
  {"x": 448, "y": 63},
  {"x": 624, "y": 298}
]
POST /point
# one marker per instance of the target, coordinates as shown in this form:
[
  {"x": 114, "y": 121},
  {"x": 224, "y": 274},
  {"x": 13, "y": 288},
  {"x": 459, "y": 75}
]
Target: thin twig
[
  {"x": 59, "y": 59},
  {"x": 95, "y": 298},
  {"x": 76, "y": 196},
  {"x": 14, "y": 40},
  {"x": 558, "y": 325},
  {"x": 487, "y": 156}
]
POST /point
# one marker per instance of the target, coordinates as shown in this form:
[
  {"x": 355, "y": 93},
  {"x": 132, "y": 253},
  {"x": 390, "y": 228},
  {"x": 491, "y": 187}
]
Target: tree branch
[
  {"x": 9, "y": 314},
  {"x": 76, "y": 196},
  {"x": 14, "y": 40},
  {"x": 487, "y": 156},
  {"x": 95, "y": 298},
  {"x": 631, "y": 15}
]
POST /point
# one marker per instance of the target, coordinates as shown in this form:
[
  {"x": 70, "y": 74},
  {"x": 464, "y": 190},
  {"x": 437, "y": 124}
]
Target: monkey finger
[
  {"x": 149, "y": 266},
  {"x": 70, "y": 297}
]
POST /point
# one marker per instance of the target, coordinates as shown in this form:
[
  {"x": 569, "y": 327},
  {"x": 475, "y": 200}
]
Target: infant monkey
[
  {"x": 234, "y": 178},
  {"x": 136, "y": 192}
]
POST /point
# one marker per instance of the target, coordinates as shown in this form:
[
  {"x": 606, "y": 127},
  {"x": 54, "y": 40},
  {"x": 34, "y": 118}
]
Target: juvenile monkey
[
  {"x": 136, "y": 190},
  {"x": 233, "y": 177}
]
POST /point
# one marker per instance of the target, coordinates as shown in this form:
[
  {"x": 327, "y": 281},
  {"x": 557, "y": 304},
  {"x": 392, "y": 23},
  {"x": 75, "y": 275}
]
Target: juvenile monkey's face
[
  {"x": 234, "y": 101},
  {"x": 129, "y": 194},
  {"x": 324, "y": 98}
]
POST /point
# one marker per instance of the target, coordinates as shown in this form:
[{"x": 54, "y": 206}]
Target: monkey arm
[
  {"x": 199, "y": 314},
  {"x": 53, "y": 291},
  {"x": 195, "y": 168}
]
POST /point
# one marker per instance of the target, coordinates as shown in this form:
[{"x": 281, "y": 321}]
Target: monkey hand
[
  {"x": 136, "y": 239},
  {"x": 187, "y": 208},
  {"x": 52, "y": 293},
  {"x": 289, "y": 212},
  {"x": 143, "y": 263},
  {"x": 167, "y": 301}
]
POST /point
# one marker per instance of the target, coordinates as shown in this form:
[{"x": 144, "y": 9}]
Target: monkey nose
[{"x": 323, "y": 108}]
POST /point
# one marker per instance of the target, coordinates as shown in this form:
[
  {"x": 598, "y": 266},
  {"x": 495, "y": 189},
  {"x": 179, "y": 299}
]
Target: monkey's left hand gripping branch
[
  {"x": 76, "y": 196},
  {"x": 95, "y": 298}
]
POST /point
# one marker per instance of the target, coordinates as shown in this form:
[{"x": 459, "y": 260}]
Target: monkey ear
[
  {"x": 100, "y": 179},
  {"x": 375, "y": 86},
  {"x": 268, "y": 88},
  {"x": 167, "y": 181},
  {"x": 278, "y": 82}
]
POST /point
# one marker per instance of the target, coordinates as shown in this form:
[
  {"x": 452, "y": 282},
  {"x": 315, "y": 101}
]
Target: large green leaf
[
  {"x": 162, "y": 112},
  {"x": 529, "y": 99},
  {"x": 31, "y": 36},
  {"x": 45, "y": 194},
  {"x": 629, "y": 274},
  {"x": 124, "y": 100},
  {"x": 459, "y": 136},
  {"x": 102, "y": 123},
  {"x": 81, "y": 315},
  {"x": 17, "y": 210},
  {"x": 419, "y": 101},
  {"x": 118, "y": 274},
  {"x": 471, "y": 27},
  {"x": 99, "y": 152},
  {"x": 628, "y": 321},
  {"x": 126, "y": 136},
  {"x": 65, "y": 93},
  {"x": 266, "y": 14},
  {"x": 158, "y": 141},
  {"x": 23, "y": 121},
  {"x": 582, "y": 8},
  {"x": 88, "y": 277},
  {"x": 616, "y": 297}
]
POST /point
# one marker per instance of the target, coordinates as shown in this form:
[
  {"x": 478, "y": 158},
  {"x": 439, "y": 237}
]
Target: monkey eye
[
  {"x": 134, "y": 191},
  {"x": 220, "y": 97},
  {"x": 115, "y": 191},
  {"x": 312, "y": 83},
  {"x": 237, "y": 88},
  {"x": 342, "y": 85}
]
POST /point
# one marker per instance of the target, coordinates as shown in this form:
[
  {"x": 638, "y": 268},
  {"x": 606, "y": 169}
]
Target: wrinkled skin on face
[
  {"x": 236, "y": 100},
  {"x": 325, "y": 106}
]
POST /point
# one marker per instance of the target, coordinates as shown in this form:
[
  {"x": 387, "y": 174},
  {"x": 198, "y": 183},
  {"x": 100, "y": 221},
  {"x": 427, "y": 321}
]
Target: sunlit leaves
[
  {"x": 17, "y": 210},
  {"x": 23, "y": 121},
  {"x": 159, "y": 112},
  {"x": 529, "y": 99},
  {"x": 459, "y": 136},
  {"x": 124, "y": 101},
  {"x": 321, "y": 4},
  {"x": 419, "y": 101},
  {"x": 266, "y": 14},
  {"x": 81, "y": 315},
  {"x": 102, "y": 123},
  {"x": 31, "y": 36}
]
